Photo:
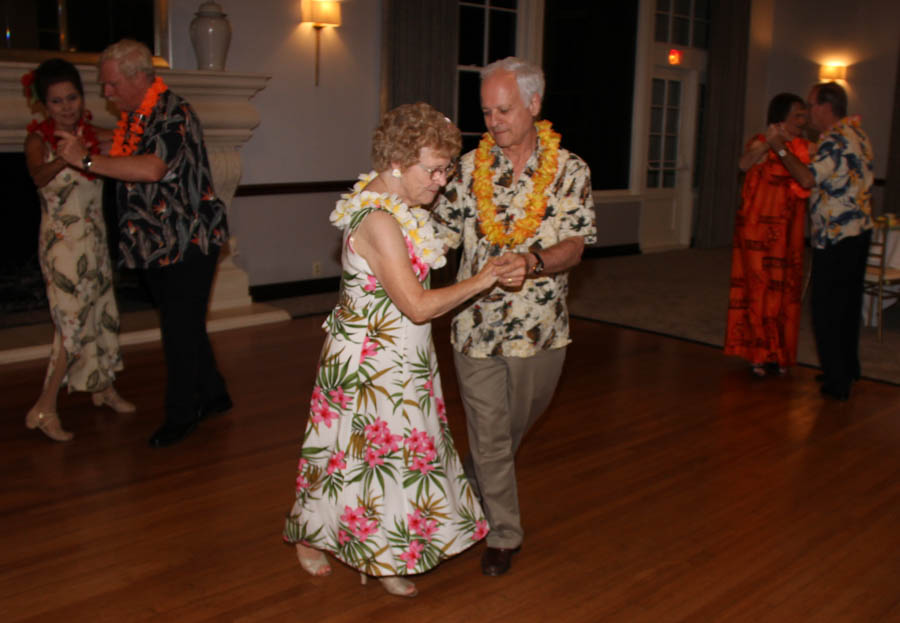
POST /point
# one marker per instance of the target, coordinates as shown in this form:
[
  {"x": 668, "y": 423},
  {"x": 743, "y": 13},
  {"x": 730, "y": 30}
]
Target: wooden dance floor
[{"x": 664, "y": 484}]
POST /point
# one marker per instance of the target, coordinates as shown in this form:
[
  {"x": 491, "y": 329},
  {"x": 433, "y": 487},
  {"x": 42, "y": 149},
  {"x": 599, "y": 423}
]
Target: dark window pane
[
  {"x": 470, "y": 142},
  {"x": 469, "y": 103},
  {"x": 120, "y": 20},
  {"x": 475, "y": 2},
  {"x": 671, "y": 150},
  {"x": 668, "y": 179},
  {"x": 655, "y": 148},
  {"x": 681, "y": 28},
  {"x": 701, "y": 35},
  {"x": 701, "y": 9},
  {"x": 581, "y": 109},
  {"x": 502, "y": 38},
  {"x": 471, "y": 36},
  {"x": 656, "y": 119},
  {"x": 674, "y": 93},
  {"x": 652, "y": 179},
  {"x": 506, "y": 4},
  {"x": 659, "y": 92},
  {"x": 671, "y": 121},
  {"x": 662, "y": 5},
  {"x": 662, "y": 28},
  {"x": 682, "y": 7}
]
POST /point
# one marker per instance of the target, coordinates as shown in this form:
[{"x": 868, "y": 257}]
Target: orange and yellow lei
[
  {"x": 125, "y": 147},
  {"x": 536, "y": 205}
]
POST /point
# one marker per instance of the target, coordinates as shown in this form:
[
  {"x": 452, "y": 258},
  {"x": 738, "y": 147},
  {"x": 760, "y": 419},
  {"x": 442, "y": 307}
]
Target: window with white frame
[
  {"x": 487, "y": 32},
  {"x": 682, "y": 22}
]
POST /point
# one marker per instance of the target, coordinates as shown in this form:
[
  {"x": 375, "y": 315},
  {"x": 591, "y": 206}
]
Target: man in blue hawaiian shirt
[
  {"x": 840, "y": 176},
  {"x": 172, "y": 224}
]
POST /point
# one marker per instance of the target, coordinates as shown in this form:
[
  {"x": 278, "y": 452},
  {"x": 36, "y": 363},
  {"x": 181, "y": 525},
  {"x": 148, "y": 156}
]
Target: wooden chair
[{"x": 879, "y": 274}]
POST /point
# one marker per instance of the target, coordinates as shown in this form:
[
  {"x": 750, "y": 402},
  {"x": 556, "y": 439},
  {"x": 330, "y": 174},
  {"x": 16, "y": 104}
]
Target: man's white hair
[{"x": 529, "y": 77}]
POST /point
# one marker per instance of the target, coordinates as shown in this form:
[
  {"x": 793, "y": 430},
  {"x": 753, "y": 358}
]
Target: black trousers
[
  {"x": 181, "y": 293},
  {"x": 837, "y": 293}
]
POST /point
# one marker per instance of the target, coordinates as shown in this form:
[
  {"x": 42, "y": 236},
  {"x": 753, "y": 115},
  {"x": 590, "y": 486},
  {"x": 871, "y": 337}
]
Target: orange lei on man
[
  {"x": 123, "y": 146},
  {"x": 536, "y": 205}
]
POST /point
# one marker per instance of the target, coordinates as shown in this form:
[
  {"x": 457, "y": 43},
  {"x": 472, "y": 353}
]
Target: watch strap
[{"x": 538, "y": 267}]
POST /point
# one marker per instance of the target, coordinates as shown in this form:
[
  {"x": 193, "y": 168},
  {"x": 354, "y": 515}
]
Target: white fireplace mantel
[{"x": 222, "y": 101}]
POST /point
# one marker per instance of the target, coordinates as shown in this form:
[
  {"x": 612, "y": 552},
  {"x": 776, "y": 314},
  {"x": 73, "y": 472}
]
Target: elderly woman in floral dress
[{"x": 380, "y": 485}]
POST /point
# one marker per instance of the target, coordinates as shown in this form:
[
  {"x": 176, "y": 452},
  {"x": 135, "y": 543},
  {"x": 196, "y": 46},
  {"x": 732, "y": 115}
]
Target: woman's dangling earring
[{"x": 396, "y": 172}]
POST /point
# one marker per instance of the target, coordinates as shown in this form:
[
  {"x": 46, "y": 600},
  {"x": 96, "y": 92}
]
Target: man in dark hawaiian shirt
[{"x": 172, "y": 224}]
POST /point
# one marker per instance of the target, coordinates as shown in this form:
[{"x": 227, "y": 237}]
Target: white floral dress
[
  {"x": 379, "y": 484},
  {"x": 75, "y": 263}
]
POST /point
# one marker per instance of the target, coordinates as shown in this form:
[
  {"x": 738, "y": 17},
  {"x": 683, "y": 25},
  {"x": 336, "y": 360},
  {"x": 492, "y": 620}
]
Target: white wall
[
  {"x": 306, "y": 133},
  {"x": 864, "y": 34}
]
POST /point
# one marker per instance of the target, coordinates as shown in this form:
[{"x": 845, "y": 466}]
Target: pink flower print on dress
[
  {"x": 368, "y": 349},
  {"x": 373, "y": 458},
  {"x": 441, "y": 409},
  {"x": 338, "y": 396},
  {"x": 377, "y": 431},
  {"x": 429, "y": 529},
  {"x": 419, "y": 464},
  {"x": 411, "y": 556},
  {"x": 302, "y": 483},
  {"x": 365, "y": 529},
  {"x": 343, "y": 537},
  {"x": 416, "y": 521},
  {"x": 317, "y": 395},
  {"x": 481, "y": 529},
  {"x": 323, "y": 413},
  {"x": 352, "y": 516},
  {"x": 336, "y": 462},
  {"x": 371, "y": 283},
  {"x": 417, "y": 441},
  {"x": 429, "y": 385}
]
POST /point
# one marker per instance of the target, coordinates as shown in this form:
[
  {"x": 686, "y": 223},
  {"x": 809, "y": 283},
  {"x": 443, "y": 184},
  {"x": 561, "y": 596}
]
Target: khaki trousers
[{"x": 503, "y": 397}]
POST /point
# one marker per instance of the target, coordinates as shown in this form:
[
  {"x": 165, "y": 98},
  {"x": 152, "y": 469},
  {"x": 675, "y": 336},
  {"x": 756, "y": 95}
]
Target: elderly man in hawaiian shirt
[
  {"x": 521, "y": 197},
  {"x": 841, "y": 175},
  {"x": 172, "y": 224}
]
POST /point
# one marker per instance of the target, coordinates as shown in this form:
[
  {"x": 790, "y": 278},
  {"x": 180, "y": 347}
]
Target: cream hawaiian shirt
[
  {"x": 840, "y": 205},
  {"x": 535, "y": 318}
]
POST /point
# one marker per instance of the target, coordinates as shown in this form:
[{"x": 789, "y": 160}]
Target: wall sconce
[
  {"x": 832, "y": 72},
  {"x": 321, "y": 13},
  {"x": 674, "y": 56}
]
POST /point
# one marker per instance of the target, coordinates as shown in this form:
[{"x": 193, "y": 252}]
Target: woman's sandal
[
  {"x": 111, "y": 398},
  {"x": 758, "y": 370},
  {"x": 313, "y": 563},
  {"x": 49, "y": 424},
  {"x": 394, "y": 585}
]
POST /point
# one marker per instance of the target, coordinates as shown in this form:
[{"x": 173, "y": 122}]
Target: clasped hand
[
  {"x": 510, "y": 270},
  {"x": 71, "y": 148}
]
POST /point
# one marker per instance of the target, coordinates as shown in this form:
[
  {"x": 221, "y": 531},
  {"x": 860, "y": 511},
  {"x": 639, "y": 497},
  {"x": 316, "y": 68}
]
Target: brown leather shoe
[{"x": 496, "y": 560}]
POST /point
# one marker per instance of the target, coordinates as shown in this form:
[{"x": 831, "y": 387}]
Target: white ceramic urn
[{"x": 210, "y": 35}]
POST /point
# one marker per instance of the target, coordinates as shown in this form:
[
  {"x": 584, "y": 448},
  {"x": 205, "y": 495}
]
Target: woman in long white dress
[
  {"x": 379, "y": 484},
  {"x": 73, "y": 254}
]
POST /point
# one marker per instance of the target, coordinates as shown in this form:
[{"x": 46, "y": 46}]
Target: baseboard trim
[
  {"x": 290, "y": 289},
  {"x": 611, "y": 251}
]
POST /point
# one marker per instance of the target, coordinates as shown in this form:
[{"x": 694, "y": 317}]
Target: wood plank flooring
[{"x": 664, "y": 484}]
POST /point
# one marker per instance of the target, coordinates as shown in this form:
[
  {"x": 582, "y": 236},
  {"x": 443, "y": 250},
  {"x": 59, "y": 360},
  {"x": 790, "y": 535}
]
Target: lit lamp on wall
[
  {"x": 321, "y": 13},
  {"x": 832, "y": 72},
  {"x": 674, "y": 56}
]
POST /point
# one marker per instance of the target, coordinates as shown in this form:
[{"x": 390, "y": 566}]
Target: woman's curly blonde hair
[{"x": 408, "y": 128}]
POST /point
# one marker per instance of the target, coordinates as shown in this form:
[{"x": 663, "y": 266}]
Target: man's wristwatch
[
  {"x": 538, "y": 267},
  {"x": 781, "y": 152},
  {"x": 86, "y": 162}
]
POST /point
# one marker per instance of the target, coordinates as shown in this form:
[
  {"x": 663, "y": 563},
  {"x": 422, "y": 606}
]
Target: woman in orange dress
[{"x": 767, "y": 251}]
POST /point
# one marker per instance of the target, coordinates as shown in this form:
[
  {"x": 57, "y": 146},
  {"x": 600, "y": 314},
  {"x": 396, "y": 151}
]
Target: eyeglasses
[{"x": 447, "y": 171}]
